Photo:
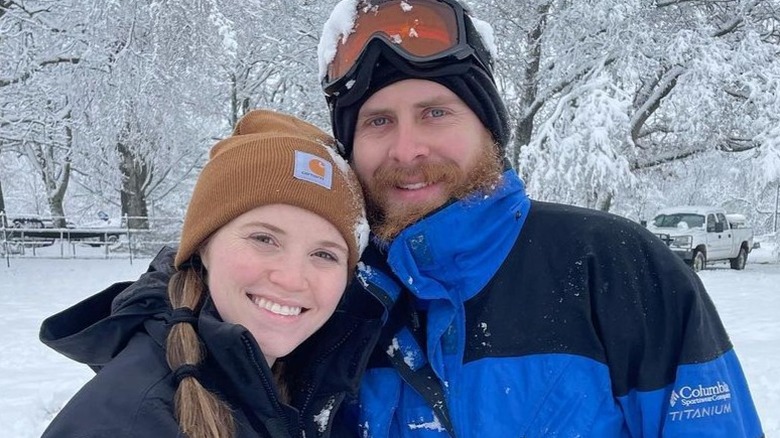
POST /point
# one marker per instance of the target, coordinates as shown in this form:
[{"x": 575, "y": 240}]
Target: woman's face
[{"x": 279, "y": 271}]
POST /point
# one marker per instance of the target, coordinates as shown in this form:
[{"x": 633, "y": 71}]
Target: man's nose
[{"x": 409, "y": 143}]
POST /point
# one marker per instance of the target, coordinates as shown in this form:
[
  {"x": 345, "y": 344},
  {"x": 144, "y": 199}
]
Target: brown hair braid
[{"x": 200, "y": 413}]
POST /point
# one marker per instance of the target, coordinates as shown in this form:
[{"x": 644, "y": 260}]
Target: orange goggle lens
[{"x": 419, "y": 28}]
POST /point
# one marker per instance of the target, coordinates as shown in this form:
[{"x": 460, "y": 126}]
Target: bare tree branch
[
  {"x": 662, "y": 87},
  {"x": 735, "y": 144},
  {"x": 26, "y": 75},
  {"x": 635, "y": 166},
  {"x": 665, "y": 3}
]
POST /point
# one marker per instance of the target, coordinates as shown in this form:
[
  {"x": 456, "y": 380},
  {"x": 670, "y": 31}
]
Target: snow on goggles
[{"x": 422, "y": 31}]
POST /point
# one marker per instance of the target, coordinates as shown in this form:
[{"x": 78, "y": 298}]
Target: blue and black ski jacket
[{"x": 517, "y": 318}]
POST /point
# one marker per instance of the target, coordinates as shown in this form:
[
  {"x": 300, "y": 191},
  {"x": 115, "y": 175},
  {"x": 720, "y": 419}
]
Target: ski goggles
[{"x": 427, "y": 33}]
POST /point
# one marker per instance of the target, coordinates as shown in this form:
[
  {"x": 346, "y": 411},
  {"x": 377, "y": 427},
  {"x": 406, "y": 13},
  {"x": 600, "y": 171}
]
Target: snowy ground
[{"x": 35, "y": 381}]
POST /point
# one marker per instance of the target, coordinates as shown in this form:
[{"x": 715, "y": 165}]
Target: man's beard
[{"x": 388, "y": 219}]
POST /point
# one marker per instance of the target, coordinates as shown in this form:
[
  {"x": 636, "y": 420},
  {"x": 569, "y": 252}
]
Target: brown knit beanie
[{"x": 274, "y": 158}]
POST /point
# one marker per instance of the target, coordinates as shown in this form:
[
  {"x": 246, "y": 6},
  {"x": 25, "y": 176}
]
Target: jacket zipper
[
  {"x": 310, "y": 387},
  {"x": 269, "y": 386}
]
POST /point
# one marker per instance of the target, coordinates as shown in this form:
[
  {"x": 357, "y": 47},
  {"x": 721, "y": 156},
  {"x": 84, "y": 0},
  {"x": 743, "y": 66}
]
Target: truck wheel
[
  {"x": 699, "y": 261},
  {"x": 738, "y": 262}
]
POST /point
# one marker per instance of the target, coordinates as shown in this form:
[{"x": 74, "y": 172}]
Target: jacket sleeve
[
  {"x": 708, "y": 394},
  {"x": 151, "y": 420},
  {"x": 673, "y": 368}
]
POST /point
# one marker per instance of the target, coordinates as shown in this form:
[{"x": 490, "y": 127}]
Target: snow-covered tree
[
  {"x": 673, "y": 80},
  {"x": 35, "y": 116},
  {"x": 618, "y": 105}
]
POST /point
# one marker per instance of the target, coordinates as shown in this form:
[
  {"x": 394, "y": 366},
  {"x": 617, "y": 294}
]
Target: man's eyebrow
[
  {"x": 370, "y": 112},
  {"x": 432, "y": 101},
  {"x": 436, "y": 100}
]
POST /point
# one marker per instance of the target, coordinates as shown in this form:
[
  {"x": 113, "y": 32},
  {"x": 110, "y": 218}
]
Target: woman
[{"x": 272, "y": 234}]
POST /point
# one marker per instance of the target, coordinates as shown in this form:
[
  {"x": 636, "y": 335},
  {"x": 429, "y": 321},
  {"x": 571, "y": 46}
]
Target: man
[{"x": 508, "y": 317}]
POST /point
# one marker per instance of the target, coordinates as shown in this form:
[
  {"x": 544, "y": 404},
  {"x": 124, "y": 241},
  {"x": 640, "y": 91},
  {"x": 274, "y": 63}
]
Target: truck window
[
  {"x": 710, "y": 223},
  {"x": 722, "y": 219},
  {"x": 688, "y": 220}
]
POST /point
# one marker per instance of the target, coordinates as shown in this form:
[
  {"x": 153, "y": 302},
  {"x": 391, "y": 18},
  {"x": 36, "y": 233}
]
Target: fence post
[
  {"x": 6, "y": 250},
  {"x": 129, "y": 237},
  {"x": 777, "y": 207}
]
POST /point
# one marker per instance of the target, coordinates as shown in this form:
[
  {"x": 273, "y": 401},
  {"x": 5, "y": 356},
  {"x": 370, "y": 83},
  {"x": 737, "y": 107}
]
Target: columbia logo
[{"x": 673, "y": 399}]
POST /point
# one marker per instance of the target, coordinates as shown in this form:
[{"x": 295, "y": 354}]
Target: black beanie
[{"x": 380, "y": 66}]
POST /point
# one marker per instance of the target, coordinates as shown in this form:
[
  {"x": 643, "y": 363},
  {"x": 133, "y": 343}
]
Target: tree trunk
[
  {"x": 134, "y": 171},
  {"x": 233, "y": 101},
  {"x": 55, "y": 176},
  {"x": 57, "y": 197},
  {"x": 605, "y": 202},
  {"x": 777, "y": 208},
  {"x": 3, "y": 221},
  {"x": 60, "y": 184},
  {"x": 525, "y": 126}
]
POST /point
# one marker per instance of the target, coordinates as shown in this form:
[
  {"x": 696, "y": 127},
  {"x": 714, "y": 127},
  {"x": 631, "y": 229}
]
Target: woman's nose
[{"x": 289, "y": 274}]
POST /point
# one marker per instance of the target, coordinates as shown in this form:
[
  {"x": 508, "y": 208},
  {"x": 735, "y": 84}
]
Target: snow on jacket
[
  {"x": 528, "y": 319},
  {"x": 121, "y": 334}
]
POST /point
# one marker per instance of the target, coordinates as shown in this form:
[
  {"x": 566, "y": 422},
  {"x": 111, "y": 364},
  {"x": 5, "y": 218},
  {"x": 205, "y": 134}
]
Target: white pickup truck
[{"x": 700, "y": 234}]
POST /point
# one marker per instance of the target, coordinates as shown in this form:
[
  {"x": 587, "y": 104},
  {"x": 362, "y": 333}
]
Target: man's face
[{"x": 417, "y": 145}]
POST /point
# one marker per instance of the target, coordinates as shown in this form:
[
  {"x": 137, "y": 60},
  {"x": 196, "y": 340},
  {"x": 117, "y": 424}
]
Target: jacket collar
[
  {"x": 454, "y": 252},
  {"x": 236, "y": 368},
  {"x": 95, "y": 330}
]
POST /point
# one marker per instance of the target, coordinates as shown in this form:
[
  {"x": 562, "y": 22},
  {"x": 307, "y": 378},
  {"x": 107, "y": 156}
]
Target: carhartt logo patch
[{"x": 313, "y": 169}]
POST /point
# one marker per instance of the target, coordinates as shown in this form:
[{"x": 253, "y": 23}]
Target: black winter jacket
[{"x": 121, "y": 332}]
